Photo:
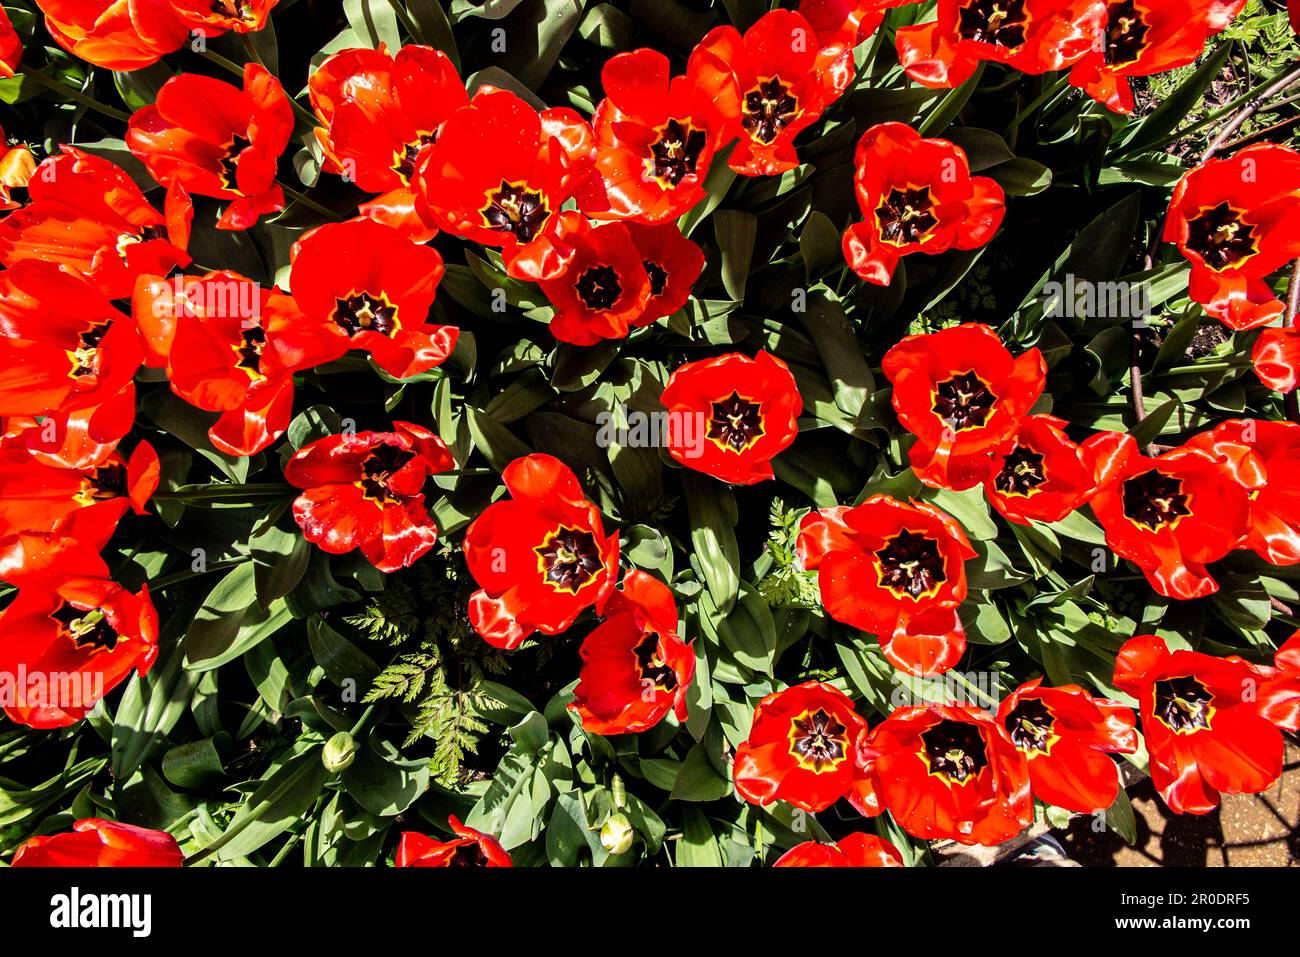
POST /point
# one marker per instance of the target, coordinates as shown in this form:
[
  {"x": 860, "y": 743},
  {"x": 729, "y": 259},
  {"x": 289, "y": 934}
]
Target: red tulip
[{"x": 94, "y": 842}]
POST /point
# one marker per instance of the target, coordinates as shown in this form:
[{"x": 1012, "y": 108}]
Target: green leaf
[
  {"x": 139, "y": 88},
  {"x": 713, "y": 517},
  {"x": 151, "y": 706},
  {"x": 735, "y": 232},
  {"x": 1021, "y": 176},
  {"x": 497, "y": 443},
  {"x": 537, "y": 32},
  {"x": 278, "y": 803},
  {"x": 938, "y": 119},
  {"x": 231, "y": 621},
  {"x": 312, "y": 424},
  {"x": 280, "y": 559},
  {"x": 819, "y": 245},
  {"x": 433, "y": 28},
  {"x": 1149, "y": 429},
  {"x": 195, "y": 763},
  {"x": 744, "y": 13},
  {"x": 608, "y": 27},
  {"x": 716, "y": 184},
  {"x": 385, "y": 785},
  {"x": 1121, "y": 820},
  {"x": 342, "y": 660},
  {"x": 697, "y": 780},
  {"x": 1097, "y": 253},
  {"x": 648, "y": 548},
  {"x": 568, "y": 834},
  {"x": 842, "y": 357},
  {"x": 983, "y": 148},
  {"x": 374, "y": 21},
  {"x": 697, "y": 847}
]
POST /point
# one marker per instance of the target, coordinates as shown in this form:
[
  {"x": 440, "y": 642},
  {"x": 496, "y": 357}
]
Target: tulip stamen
[
  {"x": 569, "y": 559},
  {"x": 954, "y": 751},
  {"x": 735, "y": 423},
  {"x": 768, "y": 109},
  {"x": 89, "y": 630}
]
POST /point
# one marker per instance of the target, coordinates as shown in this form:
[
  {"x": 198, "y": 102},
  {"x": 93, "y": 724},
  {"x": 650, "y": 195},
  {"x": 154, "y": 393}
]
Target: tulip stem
[
  {"x": 362, "y": 721},
  {"x": 76, "y": 95},
  {"x": 219, "y": 60},
  {"x": 310, "y": 203},
  {"x": 220, "y": 491},
  {"x": 1050, "y": 92},
  {"x": 1249, "y": 110},
  {"x": 1135, "y": 376},
  {"x": 988, "y": 699},
  {"x": 1223, "y": 365},
  {"x": 302, "y": 113},
  {"x": 251, "y": 51},
  {"x": 1214, "y": 117}
]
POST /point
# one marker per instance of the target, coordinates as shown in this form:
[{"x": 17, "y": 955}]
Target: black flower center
[
  {"x": 230, "y": 162},
  {"x": 88, "y": 630},
  {"x": 467, "y": 854},
  {"x": 1126, "y": 32},
  {"x": 86, "y": 356},
  {"x": 906, "y": 215},
  {"x": 1221, "y": 237},
  {"x": 106, "y": 482},
  {"x": 658, "y": 276},
  {"x": 406, "y": 159},
  {"x": 1030, "y": 725},
  {"x": 1021, "y": 472},
  {"x": 240, "y": 10},
  {"x": 818, "y": 741},
  {"x": 769, "y": 108},
  {"x": 674, "y": 155},
  {"x": 252, "y": 342},
  {"x": 954, "y": 750},
  {"x": 1184, "y": 705},
  {"x": 569, "y": 559},
  {"x": 963, "y": 402},
  {"x": 517, "y": 210},
  {"x": 651, "y": 666},
  {"x": 736, "y": 423},
  {"x": 362, "y": 312},
  {"x": 1155, "y": 499},
  {"x": 911, "y": 565},
  {"x": 598, "y": 288},
  {"x": 1000, "y": 22},
  {"x": 378, "y": 470}
]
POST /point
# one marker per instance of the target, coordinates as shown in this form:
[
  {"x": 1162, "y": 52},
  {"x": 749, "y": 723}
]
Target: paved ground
[{"x": 1248, "y": 830}]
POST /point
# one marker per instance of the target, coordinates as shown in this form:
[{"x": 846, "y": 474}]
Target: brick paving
[{"x": 1249, "y": 830}]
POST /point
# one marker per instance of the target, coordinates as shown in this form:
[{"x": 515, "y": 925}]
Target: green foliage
[
  {"x": 787, "y": 585},
  {"x": 443, "y": 678}
]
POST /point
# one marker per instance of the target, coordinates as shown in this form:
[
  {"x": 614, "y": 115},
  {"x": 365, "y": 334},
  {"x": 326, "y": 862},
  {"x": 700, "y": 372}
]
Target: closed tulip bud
[
  {"x": 339, "y": 752},
  {"x": 616, "y": 835}
]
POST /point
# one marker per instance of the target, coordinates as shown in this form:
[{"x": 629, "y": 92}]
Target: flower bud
[
  {"x": 339, "y": 752},
  {"x": 616, "y": 834}
]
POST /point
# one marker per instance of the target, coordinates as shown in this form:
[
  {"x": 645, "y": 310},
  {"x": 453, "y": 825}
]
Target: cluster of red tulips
[{"x": 95, "y": 287}]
